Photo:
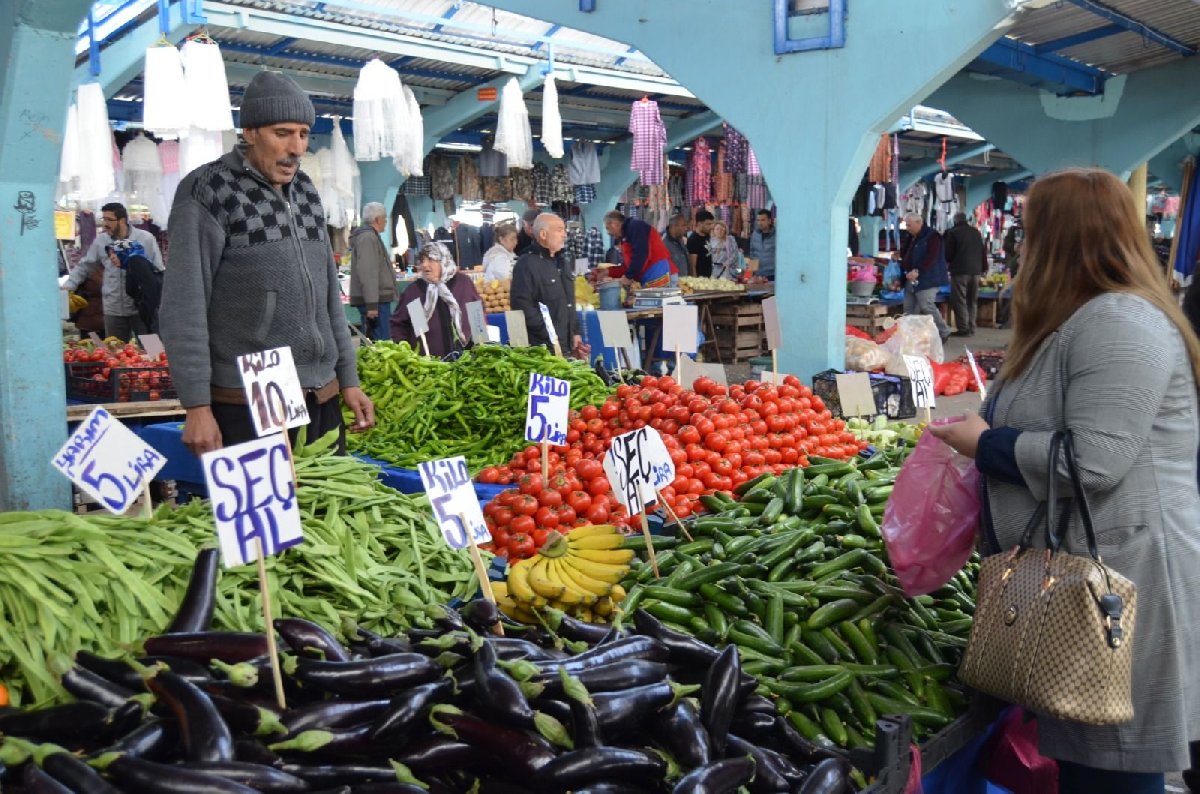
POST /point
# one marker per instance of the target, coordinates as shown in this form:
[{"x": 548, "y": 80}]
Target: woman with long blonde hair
[{"x": 1100, "y": 348}]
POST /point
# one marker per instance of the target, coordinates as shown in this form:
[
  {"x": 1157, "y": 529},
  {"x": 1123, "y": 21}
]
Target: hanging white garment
[
  {"x": 97, "y": 177},
  {"x": 207, "y": 88},
  {"x": 142, "y": 170},
  {"x": 168, "y": 156},
  {"x": 379, "y": 110},
  {"x": 513, "y": 136},
  {"x": 199, "y": 147},
  {"x": 311, "y": 165},
  {"x": 585, "y": 164},
  {"x": 166, "y": 106},
  {"x": 410, "y": 155},
  {"x": 552, "y": 137},
  {"x": 68, "y": 165},
  {"x": 341, "y": 172}
]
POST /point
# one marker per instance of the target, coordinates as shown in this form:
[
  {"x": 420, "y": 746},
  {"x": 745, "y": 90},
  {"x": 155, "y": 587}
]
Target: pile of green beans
[
  {"x": 371, "y": 556},
  {"x": 475, "y": 406}
]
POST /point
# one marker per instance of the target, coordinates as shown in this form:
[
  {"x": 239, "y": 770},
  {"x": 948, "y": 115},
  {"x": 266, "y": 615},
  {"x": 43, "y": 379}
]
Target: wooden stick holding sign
[
  {"x": 269, "y": 621},
  {"x": 108, "y": 461},
  {"x": 975, "y": 374},
  {"x": 551, "y": 331},
  {"x": 420, "y": 324},
  {"x": 920, "y": 374},
  {"x": 546, "y": 414},
  {"x": 770, "y": 310},
  {"x": 680, "y": 322},
  {"x": 456, "y": 509}
]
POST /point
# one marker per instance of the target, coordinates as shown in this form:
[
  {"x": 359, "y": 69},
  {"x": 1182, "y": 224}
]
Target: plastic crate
[
  {"x": 989, "y": 362},
  {"x": 123, "y": 384},
  {"x": 893, "y": 394}
]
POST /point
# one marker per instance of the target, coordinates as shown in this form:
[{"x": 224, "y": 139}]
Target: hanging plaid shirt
[
  {"x": 585, "y": 194},
  {"x": 675, "y": 187},
  {"x": 593, "y": 246},
  {"x": 522, "y": 184},
  {"x": 723, "y": 189},
  {"x": 417, "y": 186},
  {"x": 699, "y": 184},
  {"x": 649, "y": 141},
  {"x": 756, "y": 192},
  {"x": 542, "y": 194},
  {"x": 737, "y": 151},
  {"x": 468, "y": 179},
  {"x": 441, "y": 174},
  {"x": 560, "y": 184},
  {"x": 752, "y": 166}
]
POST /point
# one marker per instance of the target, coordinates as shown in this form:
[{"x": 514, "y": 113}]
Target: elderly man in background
[
  {"x": 372, "y": 280},
  {"x": 923, "y": 262},
  {"x": 541, "y": 277}
]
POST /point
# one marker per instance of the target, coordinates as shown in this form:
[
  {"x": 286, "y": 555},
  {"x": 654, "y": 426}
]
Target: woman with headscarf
[{"x": 443, "y": 294}]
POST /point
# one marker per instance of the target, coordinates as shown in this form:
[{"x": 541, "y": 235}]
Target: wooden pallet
[{"x": 869, "y": 318}]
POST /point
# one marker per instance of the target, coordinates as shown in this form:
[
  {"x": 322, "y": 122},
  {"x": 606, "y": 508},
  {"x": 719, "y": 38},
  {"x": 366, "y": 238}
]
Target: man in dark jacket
[
  {"x": 676, "y": 242},
  {"x": 143, "y": 281},
  {"x": 372, "y": 280},
  {"x": 540, "y": 277},
  {"x": 923, "y": 262},
  {"x": 967, "y": 259}
]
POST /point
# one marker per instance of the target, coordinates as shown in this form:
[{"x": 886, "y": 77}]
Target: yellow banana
[
  {"x": 518, "y": 582},
  {"x": 573, "y": 593},
  {"x": 542, "y": 581},
  {"x": 586, "y": 615},
  {"x": 500, "y": 590},
  {"x": 597, "y": 542},
  {"x": 605, "y": 572},
  {"x": 618, "y": 594},
  {"x": 603, "y": 608},
  {"x": 590, "y": 583},
  {"x": 588, "y": 530},
  {"x": 619, "y": 557}
]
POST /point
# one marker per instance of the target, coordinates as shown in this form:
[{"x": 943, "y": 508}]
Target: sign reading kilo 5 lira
[{"x": 548, "y": 408}]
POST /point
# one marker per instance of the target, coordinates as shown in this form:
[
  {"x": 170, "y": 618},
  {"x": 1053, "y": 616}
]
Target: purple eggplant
[
  {"x": 571, "y": 628},
  {"x": 609, "y": 677},
  {"x": 119, "y": 671},
  {"x": 61, "y": 724},
  {"x": 757, "y": 703},
  {"x": 308, "y": 639},
  {"x": 147, "y": 777},
  {"x": 720, "y": 697},
  {"x": 353, "y": 742},
  {"x": 585, "y": 730},
  {"x": 437, "y": 755},
  {"x": 480, "y": 614},
  {"x": 754, "y": 725},
  {"x": 334, "y": 714},
  {"x": 683, "y": 649},
  {"x": 517, "y": 751},
  {"x": 830, "y": 776},
  {"x": 252, "y": 751},
  {"x": 409, "y": 707},
  {"x": 247, "y": 718},
  {"x": 768, "y": 774},
  {"x": 619, "y": 712},
  {"x": 151, "y": 740},
  {"x": 558, "y": 709},
  {"x": 394, "y": 787},
  {"x": 593, "y": 764},
  {"x": 382, "y": 646},
  {"x": 796, "y": 746},
  {"x": 258, "y": 777},
  {"x": 497, "y": 692},
  {"x": 196, "y": 610},
  {"x": 681, "y": 733},
  {"x": 204, "y": 734},
  {"x": 76, "y": 775},
  {"x": 381, "y": 675},
  {"x": 86, "y": 685},
  {"x": 320, "y": 776},
  {"x": 37, "y": 781},
  {"x": 720, "y": 777},
  {"x": 512, "y": 648},
  {"x": 635, "y": 647},
  {"x": 228, "y": 646},
  {"x": 613, "y": 788}
]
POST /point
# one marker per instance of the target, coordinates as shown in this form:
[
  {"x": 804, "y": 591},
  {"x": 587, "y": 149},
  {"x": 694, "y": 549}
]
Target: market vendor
[
  {"x": 542, "y": 277},
  {"x": 443, "y": 294},
  {"x": 121, "y": 317},
  {"x": 251, "y": 270},
  {"x": 647, "y": 259}
]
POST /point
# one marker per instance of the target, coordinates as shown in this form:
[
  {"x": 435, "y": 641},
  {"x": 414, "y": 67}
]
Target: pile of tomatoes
[
  {"x": 718, "y": 438},
  {"x": 138, "y": 375}
]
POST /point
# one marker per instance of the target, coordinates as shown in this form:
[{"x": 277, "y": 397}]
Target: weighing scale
[{"x": 656, "y": 298}]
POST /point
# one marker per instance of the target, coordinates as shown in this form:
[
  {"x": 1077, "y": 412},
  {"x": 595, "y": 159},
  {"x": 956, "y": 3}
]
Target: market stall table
[{"x": 157, "y": 409}]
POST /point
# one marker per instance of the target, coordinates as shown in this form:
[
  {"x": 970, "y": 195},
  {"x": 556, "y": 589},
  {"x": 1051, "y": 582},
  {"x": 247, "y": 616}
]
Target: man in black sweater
[{"x": 966, "y": 255}]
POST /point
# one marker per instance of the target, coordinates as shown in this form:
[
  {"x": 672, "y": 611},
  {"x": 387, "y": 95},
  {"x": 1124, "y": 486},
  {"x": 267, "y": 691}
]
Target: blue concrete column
[
  {"x": 37, "y": 41},
  {"x": 813, "y": 118},
  {"x": 1138, "y": 116},
  {"x": 979, "y": 189}
]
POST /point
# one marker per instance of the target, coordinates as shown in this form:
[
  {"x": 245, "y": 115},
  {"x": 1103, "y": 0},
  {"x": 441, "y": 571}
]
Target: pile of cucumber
[{"x": 794, "y": 572}]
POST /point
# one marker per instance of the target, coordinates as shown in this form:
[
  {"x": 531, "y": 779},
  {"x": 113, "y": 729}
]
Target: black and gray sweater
[{"x": 251, "y": 270}]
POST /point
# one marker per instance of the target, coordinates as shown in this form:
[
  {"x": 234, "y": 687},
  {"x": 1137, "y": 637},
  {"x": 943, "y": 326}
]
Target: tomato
[
  {"x": 589, "y": 412},
  {"x": 491, "y": 474},
  {"x": 521, "y": 545},
  {"x": 683, "y": 510},
  {"x": 524, "y": 524},
  {"x": 723, "y": 467},
  {"x": 566, "y": 516},
  {"x": 589, "y": 469},
  {"x": 609, "y": 410},
  {"x": 688, "y": 434},
  {"x": 550, "y": 498},
  {"x": 546, "y": 517},
  {"x": 526, "y": 505},
  {"x": 579, "y": 501},
  {"x": 696, "y": 487},
  {"x": 597, "y": 514},
  {"x": 716, "y": 440},
  {"x": 697, "y": 405},
  {"x": 598, "y": 486},
  {"x": 540, "y": 536}
]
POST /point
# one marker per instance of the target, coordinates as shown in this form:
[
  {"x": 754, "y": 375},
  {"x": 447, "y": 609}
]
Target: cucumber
[
  {"x": 680, "y": 598},
  {"x": 811, "y": 692},
  {"x": 833, "y": 726},
  {"x": 832, "y": 612}
]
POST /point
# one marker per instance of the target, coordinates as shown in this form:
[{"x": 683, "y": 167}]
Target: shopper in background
[
  {"x": 525, "y": 237},
  {"x": 121, "y": 317},
  {"x": 966, "y": 258},
  {"x": 372, "y": 280},
  {"x": 1012, "y": 247},
  {"x": 726, "y": 257},
  {"x": 923, "y": 261},
  {"x": 499, "y": 259},
  {"x": 143, "y": 280},
  {"x": 542, "y": 277},
  {"x": 647, "y": 260},
  {"x": 762, "y": 244},
  {"x": 443, "y": 293},
  {"x": 676, "y": 243},
  {"x": 1100, "y": 348},
  {"x": 251, "y": 270},
  {"x": 699, "y": 258},
  {"x": 854, "y": 232}
]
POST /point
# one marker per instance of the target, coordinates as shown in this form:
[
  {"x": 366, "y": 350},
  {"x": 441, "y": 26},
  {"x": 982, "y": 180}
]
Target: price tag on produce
[
  {"x": 638, "y": 465},
  {"x": 855, "y": 395},
  {"x": 614, "y": 329},
  {"x": 975, "y": 374},
  {"x": 921, "y": 375},
  {"x": 679, "y": 328},
  {"x": 770, "y": 310},
  {"x": 548, "y": 407},
  {"x": 518, "y": 334},
  {"x": 448, "y": 485},
  {"x": 477, "y": 321},
  {"x": 416, "y": 315},
  {"x": 551, "y": 331},
  {"x": 152, "y": 345},
  {"x": 273, "y": 390},
  {"x": 253, "y": 496},
  {"x": 690, "y": 371},
  {"x": 108, "y": 461}
]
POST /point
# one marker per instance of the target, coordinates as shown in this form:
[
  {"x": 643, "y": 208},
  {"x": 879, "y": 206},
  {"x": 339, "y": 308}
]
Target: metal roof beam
[
  {"x": 1134, "y": 26},
  {"x": 1054, "y": 45},
  {"x": 450, "y": 12},
  {"x": 125, "y": 57},
  {"x": 1017, "y": 56},
  {"x": 550, "y": 31},
  {"x": 330, "y": 85},
  {"x": 338, "y": 60}
]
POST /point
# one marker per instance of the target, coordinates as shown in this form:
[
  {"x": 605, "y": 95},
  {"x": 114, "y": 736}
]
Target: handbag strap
[
  {"x": 1045, "y": 510},
  {"x": 1081, "y": 500}
]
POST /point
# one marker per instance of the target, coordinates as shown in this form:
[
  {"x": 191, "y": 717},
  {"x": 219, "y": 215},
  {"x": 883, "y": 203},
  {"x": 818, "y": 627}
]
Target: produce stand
[{"x": 128, "y": 411}]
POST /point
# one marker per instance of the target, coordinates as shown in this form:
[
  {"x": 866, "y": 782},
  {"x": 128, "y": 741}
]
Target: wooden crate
[
  {"x": 737, "y": 315},
  {"x": 869, "y": 318},
  {"x": 737, "y": 346}
]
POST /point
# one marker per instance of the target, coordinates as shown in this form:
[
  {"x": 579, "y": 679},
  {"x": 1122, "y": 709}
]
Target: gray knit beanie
[{"x": 274, "y": 98}]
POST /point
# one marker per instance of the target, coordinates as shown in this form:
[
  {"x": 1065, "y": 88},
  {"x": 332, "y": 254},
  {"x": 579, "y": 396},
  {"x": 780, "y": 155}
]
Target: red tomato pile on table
[
  {"x": 152, "y": 379},
  {"x": 718, "y": 438}
]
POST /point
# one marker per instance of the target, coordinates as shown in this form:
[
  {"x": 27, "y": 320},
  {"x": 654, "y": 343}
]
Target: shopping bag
[
  {"x": 1011, "y": 758},
  {"x": 930, "y": 520}
]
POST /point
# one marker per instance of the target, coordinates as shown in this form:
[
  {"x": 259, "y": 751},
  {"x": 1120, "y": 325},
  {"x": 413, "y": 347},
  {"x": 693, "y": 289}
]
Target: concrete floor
[{"x": 959, "y": 404}]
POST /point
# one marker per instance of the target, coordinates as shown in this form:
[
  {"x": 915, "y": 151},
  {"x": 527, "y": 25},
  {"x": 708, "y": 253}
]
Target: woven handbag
[{"x": 1053, "y": 631}]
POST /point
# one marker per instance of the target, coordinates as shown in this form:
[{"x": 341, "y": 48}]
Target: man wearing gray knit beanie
[{"x": 252, "y": 270}]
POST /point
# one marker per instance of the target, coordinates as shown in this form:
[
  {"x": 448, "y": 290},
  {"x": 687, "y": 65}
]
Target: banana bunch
[{"x": 577, "y": 573}]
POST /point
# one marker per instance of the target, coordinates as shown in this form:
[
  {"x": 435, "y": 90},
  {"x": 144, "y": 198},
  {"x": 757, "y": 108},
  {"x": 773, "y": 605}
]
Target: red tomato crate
[{"x": 86, "y": 383}]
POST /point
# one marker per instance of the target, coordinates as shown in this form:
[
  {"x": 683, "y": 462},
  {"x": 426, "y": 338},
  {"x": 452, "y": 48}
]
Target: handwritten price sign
[
  {"x": 921, "y": 375},
  {"x": 638, "y": 465},
  {"x": 273, "y": 390},
  {"x": 254, "y": 498},
  {"x": 448, "y": 485},
  {"x": 107, "y": 461},
  {"x": 548, "y": 407}
]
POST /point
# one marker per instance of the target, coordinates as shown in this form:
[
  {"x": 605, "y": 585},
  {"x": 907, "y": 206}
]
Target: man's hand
[
  {"x": 372, "y": 314},
  {"x": 579, "y": 349},
  {"x": 200, "y": 431},
  {"x": 364, "y": 410},
  {"x": 913, "y": 275}
]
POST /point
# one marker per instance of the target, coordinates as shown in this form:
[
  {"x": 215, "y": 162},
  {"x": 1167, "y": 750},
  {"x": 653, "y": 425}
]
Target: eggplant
[
  {"x": 720, "y": 697},
  {"x": 571, "y": 628},
  {"x": 332, "y": 775},
  {"x": 681, "y": 733},
  {"x": 37, "y": 781},
  {"x": 148, "y": 777},
  {"x": 252, "y": 751},
  {"x": 609, "y": 677},
  {"x": 720, "y": 777},
  {"x": 245, "y": 717},
  {"x": 517, "y": 751},
  {"x": 754, "y": 725},
  {"x": 454, "y": 642},
  {"x": 406, "y": 708},
  {"x": 758, "y": 703},
  {"x": 382, "y": 646},
  {"x": 394, "y": 787},
  {"x": 447, "y": 619},
  {"x": 71, "y": 721},
  {"x": 623, "y": 650},
  {"x": 119, "y": 671},
  {"x": 613, "y": 788},
  {"x": 512, "y": 648},
  {"x": 437, "y": 755},
  {"x": 76, "y": 775},
  {"x": 481, "y": 614},
  {"x": 682, "y": 649},
  {"x": 828, "y": 777},
  {"x": 579, "y": 767},
  {"x": 497, "y": 692},
  {"x": 619, "y": 712},
  {"x": 366, "y": 677},
  {"x": 259, "y": 777},
  {"x": 150, "y": 740},
  {"x": 334, "y": 713},
  {"x": 558, "y": 709},
  {"x": 204, "y": 734},
  {"x": 308, "y": 639},
  {"x": 86, "y": 685},
  {"x": 196, "y": 610},
  {"x": 768, "y": 775},
  {"x": 585, "y": 730},
  {"x": 228, "y": 646},
  {"x": 354, "y": 742},
  {"x": 796, "y": 746}
]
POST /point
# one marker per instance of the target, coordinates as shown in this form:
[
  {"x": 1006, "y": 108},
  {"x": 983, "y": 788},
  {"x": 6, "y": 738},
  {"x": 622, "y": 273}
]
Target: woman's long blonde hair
[{"x": 1084, "y": 237}]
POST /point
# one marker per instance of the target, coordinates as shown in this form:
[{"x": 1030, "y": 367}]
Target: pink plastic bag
[
  {"x": 1011, "y": 758},
  {"x": 930, "y": 521}
]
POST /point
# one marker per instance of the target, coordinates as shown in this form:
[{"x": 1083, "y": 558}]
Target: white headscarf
[{"x": 433, "y": 292}]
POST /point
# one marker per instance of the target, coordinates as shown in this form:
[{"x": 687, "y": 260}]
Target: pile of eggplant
[{"x": 565, "y": 707}]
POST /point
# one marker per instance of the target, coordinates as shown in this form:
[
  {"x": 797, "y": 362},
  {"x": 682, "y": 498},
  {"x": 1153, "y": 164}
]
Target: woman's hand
[{"x": 963, "y": 436}]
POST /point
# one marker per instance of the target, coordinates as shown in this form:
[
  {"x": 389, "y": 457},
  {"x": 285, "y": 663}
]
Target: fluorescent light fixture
[{"x": 453, "y": 146}]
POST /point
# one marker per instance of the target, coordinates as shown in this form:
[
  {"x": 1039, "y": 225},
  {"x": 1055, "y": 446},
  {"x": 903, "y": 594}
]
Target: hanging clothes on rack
[
  {"x": 491, "y": 161},
  {"x": 560, "y": 184},
  {"x": 552, "y": 136},
  {"x": 585, "y": 164},
  {"x": 880, "y": 167},
  {"x": 699, "y": 169},
  {"x": 513, "y": 136},
  {"x": 440, "y": 171},
  {"x": 522, "y": 184},
  {"x": 585, "y": 194},
  {"x": 722, "y": 179},
  {"x": 468, "y": 179},
  {"x": 737, "y": 151},
  {"x": 649, "y": 141},
  {"x": 541, "y": 185}
]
